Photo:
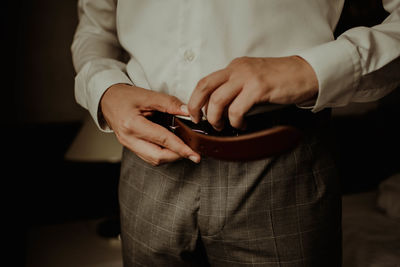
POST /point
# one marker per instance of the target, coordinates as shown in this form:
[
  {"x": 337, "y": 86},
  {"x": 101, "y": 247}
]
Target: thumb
[{"x": 169, "y": 104}]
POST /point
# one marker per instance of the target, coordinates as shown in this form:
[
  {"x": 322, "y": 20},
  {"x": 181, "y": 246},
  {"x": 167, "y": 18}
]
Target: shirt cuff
[
  {"x": 338, "y": 69},
  {"x": 97, "y": 85}
]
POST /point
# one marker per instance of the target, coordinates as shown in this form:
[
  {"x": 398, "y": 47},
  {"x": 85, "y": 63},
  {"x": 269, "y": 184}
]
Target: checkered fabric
[{"x": 283, "y": 211}]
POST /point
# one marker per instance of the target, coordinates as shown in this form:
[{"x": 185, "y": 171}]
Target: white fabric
[{"x": 172, "y": 44}]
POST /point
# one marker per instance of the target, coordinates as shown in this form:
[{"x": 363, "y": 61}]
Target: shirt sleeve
[
  {"x": 96, "y": 55},
  {"x": 361, "y": 65}
]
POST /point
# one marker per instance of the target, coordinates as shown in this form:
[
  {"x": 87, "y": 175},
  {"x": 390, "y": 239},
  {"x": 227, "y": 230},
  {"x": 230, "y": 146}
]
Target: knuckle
[
  {"x": 202, "y": 84},
  {"x": 240, "y": 67},
  {"x": 216, "y": 99},
  {"x": 163, "y": 140},
  {"x": 247, "y": 69},
  {"x": 256, "y": 82},
  {"x": 234, "y": 114},
  {"x": 257, "y": 85},
  {"x": 238, "y": 60},
  {"x": 126, "y": 126},
  {"x": 261, "y": 79}
]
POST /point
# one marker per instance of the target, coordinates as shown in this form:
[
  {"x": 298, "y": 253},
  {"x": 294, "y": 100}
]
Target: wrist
[
  {"x": 309, "y": 80},
  {"x": 104, "y": 104}
]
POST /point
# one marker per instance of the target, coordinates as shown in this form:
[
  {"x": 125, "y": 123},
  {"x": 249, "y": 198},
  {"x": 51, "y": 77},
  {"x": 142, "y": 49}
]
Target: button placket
[{"x": 189, "y": 47}]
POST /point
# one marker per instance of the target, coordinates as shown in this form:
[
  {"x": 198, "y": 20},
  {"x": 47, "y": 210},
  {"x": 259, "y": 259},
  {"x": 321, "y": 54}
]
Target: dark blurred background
[{"x": 40, "y": 120}]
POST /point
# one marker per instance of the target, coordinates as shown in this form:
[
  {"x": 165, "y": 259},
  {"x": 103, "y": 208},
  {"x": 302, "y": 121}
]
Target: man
[{"x": 220, "y": 58}]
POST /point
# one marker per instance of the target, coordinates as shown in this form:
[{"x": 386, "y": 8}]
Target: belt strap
[
  {"x": 252, "y": 146},
  {"x": 270, "y": 134}
]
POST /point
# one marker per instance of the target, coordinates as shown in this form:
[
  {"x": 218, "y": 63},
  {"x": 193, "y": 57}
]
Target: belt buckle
[
  {"x": 173, "y": 125},
  {"x": 204, "y": 127}
]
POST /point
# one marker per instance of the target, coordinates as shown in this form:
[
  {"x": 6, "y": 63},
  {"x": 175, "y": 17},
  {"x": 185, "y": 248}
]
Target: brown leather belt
[{"x": 268, "y": 134}]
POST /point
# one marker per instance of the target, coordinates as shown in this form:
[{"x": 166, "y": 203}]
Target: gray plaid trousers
[{"x": 282, "y": 211}]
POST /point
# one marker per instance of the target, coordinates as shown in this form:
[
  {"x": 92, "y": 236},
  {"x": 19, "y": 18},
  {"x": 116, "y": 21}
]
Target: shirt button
[{"x": 189, "y": 55}]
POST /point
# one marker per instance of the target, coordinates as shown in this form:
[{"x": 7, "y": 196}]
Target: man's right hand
[{"x": 125, "y": 108}]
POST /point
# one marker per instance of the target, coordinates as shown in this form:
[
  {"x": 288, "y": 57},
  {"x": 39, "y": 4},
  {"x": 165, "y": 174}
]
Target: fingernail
[
  {"x": 193, "y": 119},
  {"x": 194, "y": 159},
  {"x": 184, "y": 109}
]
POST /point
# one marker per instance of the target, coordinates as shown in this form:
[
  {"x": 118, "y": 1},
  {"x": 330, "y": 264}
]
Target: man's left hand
[{"x": 247, "y": 81}]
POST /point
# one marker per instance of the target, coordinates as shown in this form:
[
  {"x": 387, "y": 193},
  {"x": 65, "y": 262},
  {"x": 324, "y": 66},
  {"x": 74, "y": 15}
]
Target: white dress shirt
[{"x": 172, "y": 44}]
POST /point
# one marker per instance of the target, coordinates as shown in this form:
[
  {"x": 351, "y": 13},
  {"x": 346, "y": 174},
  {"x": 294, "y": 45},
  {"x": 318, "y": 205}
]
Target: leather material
[
  {"x": 252, "y": 146},
  {"x": 266, "y": 134}
]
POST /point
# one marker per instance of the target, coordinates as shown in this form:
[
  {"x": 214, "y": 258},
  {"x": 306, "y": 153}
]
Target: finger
[
  {"x": 157, "y": 134},
  {"x": 219, "y": 100},
  {"x": 203, "y": 90},
  {"x": 151, "y": 153},
  {"x": 240, "y": 106}
]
